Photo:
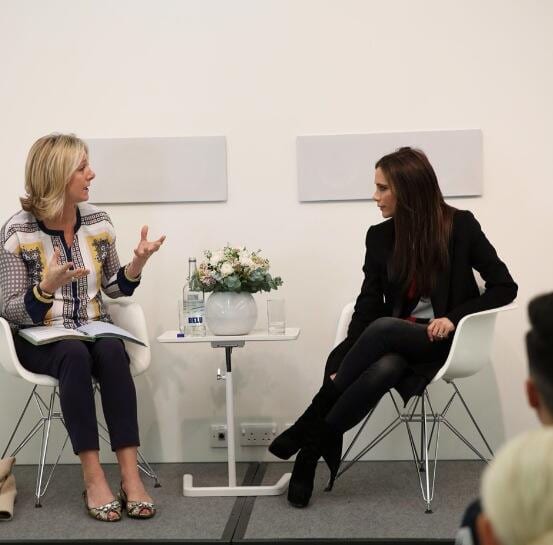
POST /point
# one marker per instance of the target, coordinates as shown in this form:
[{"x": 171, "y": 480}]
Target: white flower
[
  {"x": 216, "y": 257},
  {"x": 246, "y": 260},
  {"x": 226, "y": 269}
]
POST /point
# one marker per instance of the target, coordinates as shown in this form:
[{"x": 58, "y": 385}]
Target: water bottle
[{"x": 193, "y": 303}]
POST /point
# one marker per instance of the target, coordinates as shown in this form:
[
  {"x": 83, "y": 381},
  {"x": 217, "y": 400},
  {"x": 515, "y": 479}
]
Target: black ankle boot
[
  {"x": 320, "y": 439},
  {"x": 292, "y": 439}
]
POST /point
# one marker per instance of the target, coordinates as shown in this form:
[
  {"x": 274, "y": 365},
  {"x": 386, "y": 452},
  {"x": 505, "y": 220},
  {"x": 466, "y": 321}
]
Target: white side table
[{"x": 228, "y": 343}]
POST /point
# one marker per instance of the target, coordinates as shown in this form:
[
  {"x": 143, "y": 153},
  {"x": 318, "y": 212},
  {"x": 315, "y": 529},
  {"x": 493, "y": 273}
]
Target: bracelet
[
  {"x": 42, "y": 296},
  {"x": 44, "y": 293},
  {"x": 128, "y": 277}
]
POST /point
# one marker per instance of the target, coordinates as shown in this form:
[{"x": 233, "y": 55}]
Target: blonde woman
[
  {"x": 57, "y": 256},
  {"x": 516, "y": 493}
]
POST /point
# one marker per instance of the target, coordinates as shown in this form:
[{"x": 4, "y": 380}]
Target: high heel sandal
[
  {"x": 322, "y": 441},
  {"x": 103, "y": 511},
  {"x": 135, "y": 509}
]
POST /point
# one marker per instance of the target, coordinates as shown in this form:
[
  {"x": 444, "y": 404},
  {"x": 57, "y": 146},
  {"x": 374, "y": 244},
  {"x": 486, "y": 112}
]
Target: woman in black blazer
[{"x": 418, "y": 284}]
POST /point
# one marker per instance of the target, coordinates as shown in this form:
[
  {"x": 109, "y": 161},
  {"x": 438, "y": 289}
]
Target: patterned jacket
[{"x": 26, "y": 248}]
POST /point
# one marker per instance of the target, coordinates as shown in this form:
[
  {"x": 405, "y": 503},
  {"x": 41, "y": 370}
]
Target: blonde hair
[
  {"x": 50, "y": 164},
  {"x": 517, "y": 490}
]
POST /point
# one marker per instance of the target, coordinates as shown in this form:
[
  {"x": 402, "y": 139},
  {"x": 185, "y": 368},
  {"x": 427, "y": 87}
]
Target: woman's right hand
[{"x": 58, "y": 275}]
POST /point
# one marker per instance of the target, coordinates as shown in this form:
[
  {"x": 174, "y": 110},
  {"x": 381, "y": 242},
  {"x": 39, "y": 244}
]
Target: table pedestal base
[{"x": 260, "y": 490}]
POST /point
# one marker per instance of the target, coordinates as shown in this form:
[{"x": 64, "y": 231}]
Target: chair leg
[
  {"x": 18, "y": 423},
  {"x": 421, "y": 459},
  {"x": 43, "y": 450},
  {"x": 424, "y": 438},
  {"x": 425, "y": 466},
  {"x": 147, "y": 469},
  {"x": 47, "y": 415},
  {"x": 379, "y": 437},
  {"x": 472, "y": 419},
  {"x": 455, "y": 431}
]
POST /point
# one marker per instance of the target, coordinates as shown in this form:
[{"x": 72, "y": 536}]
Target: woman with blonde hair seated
[
  {"x": 517, "y": 493},
  {"x": 57, "y": 256}
]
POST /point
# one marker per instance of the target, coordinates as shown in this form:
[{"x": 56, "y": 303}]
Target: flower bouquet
[
  {"x": 232, "y": 274},
  {"x": 236, "y": 270}
]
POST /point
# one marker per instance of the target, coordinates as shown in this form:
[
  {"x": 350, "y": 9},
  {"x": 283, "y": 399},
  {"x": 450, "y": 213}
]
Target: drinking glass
[
  {"x": 180, "y": 314},
  {"x": 276, "y": 321}
]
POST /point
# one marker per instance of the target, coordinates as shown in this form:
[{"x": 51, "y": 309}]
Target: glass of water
[
  {"x": 180, "y": 314},
  {"x": 276, "y": 320}
]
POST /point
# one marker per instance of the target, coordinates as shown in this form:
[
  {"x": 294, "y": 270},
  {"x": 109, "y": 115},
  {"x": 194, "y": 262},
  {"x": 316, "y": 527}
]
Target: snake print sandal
[
  {"x": 103, "y": 511},
  {"x": 137, "y": 509}
]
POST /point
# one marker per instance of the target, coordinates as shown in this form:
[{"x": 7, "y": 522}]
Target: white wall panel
[
  {"x": 141, "y": 170},
  {"x": 341, "y": 167}
]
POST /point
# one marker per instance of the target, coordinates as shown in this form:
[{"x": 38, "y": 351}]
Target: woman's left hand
[
  {"x": 143, "y": 252},
  {"x": 439, "y": 329}
]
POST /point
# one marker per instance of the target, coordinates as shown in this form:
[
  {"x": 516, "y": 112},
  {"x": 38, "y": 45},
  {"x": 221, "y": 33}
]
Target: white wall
[{"x": 262, "y": 73}]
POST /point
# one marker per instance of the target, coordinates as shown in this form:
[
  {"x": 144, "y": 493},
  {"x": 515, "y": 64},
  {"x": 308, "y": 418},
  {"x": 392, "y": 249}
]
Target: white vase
[{"x": 230, "y": 313}]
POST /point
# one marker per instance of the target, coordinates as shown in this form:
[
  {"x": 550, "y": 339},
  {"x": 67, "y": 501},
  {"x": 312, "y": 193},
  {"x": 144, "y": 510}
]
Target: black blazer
[{"x": 455, "y": 295}]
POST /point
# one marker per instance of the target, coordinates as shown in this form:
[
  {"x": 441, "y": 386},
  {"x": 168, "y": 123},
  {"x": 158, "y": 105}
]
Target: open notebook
[{"x": 89, "y": 332}]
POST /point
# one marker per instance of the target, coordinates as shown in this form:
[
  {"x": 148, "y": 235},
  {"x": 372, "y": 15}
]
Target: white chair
[
  {"x": 470, "y": 351},
  {"x": 125, "y": 314}
]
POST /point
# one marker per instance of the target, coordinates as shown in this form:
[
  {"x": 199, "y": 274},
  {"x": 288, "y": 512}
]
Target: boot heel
[
  {"x": 332, "y": 456},
  {"x": 330, "y": 484}
]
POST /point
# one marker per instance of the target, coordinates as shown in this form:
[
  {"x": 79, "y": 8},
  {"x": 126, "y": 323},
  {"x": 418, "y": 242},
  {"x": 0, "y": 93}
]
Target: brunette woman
[{"x": 418, "y": 284}]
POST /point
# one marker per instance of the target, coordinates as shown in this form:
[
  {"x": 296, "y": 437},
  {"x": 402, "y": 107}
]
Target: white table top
[{"x": 290, "y": 334}]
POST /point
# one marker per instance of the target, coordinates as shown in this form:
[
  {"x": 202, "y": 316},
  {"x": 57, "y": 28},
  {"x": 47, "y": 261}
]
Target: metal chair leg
[
  {"x": 47, "y": 415},
  {"x": 424, "y": 438},
  {"x": 44, "y": 448},
  {"x": 382, "y": 435},
  {"x": 147, "y": 469},
  {"x": 18, "y": 422},
  {"x": 427, "y": 440},
  {"x": 472, "y": 419}
]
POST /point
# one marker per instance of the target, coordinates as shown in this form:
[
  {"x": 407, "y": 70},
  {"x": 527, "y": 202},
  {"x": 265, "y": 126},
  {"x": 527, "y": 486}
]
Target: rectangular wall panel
[
  {"x": 190, "y": 169},
  {"x": 341, "y": 167}
]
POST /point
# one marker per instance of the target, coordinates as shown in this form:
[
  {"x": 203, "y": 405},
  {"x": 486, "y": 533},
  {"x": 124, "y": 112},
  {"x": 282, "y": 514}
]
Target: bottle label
[{"x": 195, "y": 320}]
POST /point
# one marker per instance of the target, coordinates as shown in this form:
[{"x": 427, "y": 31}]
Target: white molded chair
[
  {"x": 125, "y": 314},
  {"x": 470, "y": 351}
]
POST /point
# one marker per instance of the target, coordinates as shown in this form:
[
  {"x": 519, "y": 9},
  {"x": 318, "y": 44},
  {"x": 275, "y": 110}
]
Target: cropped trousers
[{"x": 75, "y": 363}]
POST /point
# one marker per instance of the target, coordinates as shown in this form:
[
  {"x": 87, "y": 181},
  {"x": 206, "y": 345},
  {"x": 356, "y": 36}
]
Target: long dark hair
[{"x": 422, "y": 219}]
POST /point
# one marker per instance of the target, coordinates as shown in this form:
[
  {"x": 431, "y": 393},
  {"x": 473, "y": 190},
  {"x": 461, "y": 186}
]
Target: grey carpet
[
  {"x": 63, "y": 514},
  {"x": 373, "y": 500}
]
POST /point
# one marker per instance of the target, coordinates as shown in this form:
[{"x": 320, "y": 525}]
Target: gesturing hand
[
  {"x": 439, "y": 329},
  {"x": 58, "y": 275},
  {"x": 143, "y": 252}
]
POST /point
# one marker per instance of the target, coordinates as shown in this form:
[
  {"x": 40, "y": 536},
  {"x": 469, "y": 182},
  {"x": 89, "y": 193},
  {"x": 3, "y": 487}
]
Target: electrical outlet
[
  {"x": 258, "y": 434},
  {"x": 218, "y": 435}
]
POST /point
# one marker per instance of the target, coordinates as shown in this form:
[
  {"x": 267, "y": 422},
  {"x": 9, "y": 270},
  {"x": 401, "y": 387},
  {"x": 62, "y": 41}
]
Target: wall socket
[
  {"x": 218, "y": 435},
  {"x": 257, "y": 434}
]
